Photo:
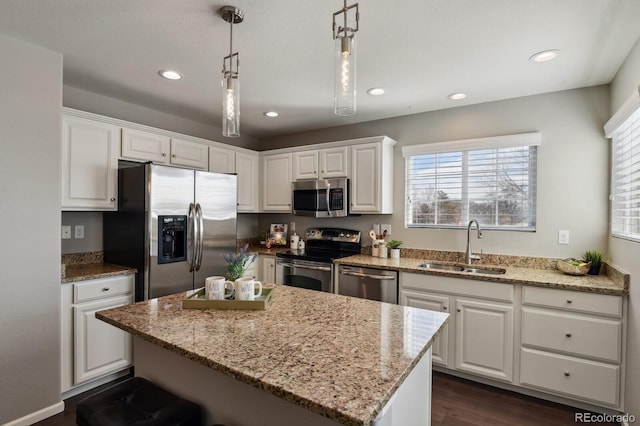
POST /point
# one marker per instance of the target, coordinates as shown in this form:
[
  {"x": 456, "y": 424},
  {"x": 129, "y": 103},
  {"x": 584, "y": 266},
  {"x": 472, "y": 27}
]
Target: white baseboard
[{"x": 35, "y": 417}]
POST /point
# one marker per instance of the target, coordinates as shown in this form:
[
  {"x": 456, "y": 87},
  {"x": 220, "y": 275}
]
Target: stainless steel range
[{"x": 312, "y": 268}]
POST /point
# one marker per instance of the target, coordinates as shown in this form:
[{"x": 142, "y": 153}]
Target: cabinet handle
[
  {"x": 105, "y": 288},
  {"x": 567, "y": 374},
  {"x": 459, "y": 310},
  {"x": 113, "y": 198},
  {"x": 174, "y": 156},
  {"x": 569, "y": 300},
  {"x": 568, "y": 334},
  {"x": 164, "y": 154},
  {"x": 444, "y": 308}
]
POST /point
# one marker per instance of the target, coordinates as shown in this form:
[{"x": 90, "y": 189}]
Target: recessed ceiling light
[
  {"x": 457, "y": 96},
  {"x": 170, "y": 74},
  {"x": 376, "y": 91},
  {"x": 270, "y": 114},
  {"x": 544, "y": 56}
]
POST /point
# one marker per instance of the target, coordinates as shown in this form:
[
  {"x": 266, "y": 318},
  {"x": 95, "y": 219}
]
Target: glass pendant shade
[
  {"x": 230, "y": 107},
  {"x": 345, "y": 76}
]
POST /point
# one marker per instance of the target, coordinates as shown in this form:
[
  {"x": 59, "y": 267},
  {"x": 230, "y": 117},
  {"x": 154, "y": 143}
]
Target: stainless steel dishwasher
[{"x": 368, "y": 283}]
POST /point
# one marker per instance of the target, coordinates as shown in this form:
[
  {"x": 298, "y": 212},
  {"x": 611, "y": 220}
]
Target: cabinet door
[
  {"x": 432, "y": 302},
  {"x": 305, "y": 165},
  {"x": 268, "y": 274},
  {"x": 365, "y": 178},
  {"x": 276, "y": 183},
  {"x": 99, "y": 348},
  {"x": 89, "y": 164},
  {"x": 248, "y": 189},
  {"x": 334, "y": 162},
  {"x": 222, "y": 160},
  {"x": 139, "y": 145},
  {"x": 253, "y": 270},
  {"x": 484, "y": 338},
  {"x": 189, "y": 154}
]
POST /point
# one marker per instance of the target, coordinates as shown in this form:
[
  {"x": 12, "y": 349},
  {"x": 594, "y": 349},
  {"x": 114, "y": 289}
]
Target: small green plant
[
  {"x": 596, "y": 258},
  {"x": 236, "y": 265},
  {"x": 262, "y": 235},
  {"x": 394, "y": 244}
]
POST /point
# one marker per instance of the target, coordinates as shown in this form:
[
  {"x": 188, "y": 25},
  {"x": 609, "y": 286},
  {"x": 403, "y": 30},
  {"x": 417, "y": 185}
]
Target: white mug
[
  {"x": 246, "y": 288},
  {"x": 215, "y": 288}
]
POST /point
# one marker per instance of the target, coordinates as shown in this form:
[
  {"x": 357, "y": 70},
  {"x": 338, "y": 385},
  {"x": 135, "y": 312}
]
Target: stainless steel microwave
[{"x": 321, "y": 197}]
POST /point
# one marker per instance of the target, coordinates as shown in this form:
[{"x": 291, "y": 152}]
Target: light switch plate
[
  {"x": 563, "y": 237},
  {"x": 385, "y": 227},
  {"x": 66, "y": 232}
]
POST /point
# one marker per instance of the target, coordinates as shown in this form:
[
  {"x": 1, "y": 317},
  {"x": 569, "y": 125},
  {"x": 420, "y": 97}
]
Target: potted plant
[
  {"x": 596, "y": 258},
  {"x": 394, "y": 246},
  {"x": 237, "y": 265},
  {"x": 263, "y": 236}
]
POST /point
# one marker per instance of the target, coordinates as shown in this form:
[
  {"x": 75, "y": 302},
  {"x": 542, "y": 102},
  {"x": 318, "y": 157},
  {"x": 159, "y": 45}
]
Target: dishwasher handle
[
  {"x": 361, "y": 275},
  {"x": 301, "y": 266}
]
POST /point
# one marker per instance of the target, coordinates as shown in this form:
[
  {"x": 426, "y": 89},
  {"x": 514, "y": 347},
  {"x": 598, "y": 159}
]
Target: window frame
[{"x": 533, "y": 139}]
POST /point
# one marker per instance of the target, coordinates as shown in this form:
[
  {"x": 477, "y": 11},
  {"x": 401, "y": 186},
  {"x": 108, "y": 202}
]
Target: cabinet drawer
[
  {"x": 576, "y": 301},
  {"x": 102, "y": 287},
  {"x": 465, "y": 287},
  {"x": 589, "y": 380},
  {"x": 571, "y": 333}
]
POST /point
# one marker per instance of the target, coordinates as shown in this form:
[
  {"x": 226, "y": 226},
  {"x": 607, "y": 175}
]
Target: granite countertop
[
  {"x": 88, "y": 271},
  {"x": 613, "y": 281},
  {"x": 338, "y": 356}
]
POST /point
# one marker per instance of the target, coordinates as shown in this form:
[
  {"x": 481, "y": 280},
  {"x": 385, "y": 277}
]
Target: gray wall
[
  {"x": 572, "y": 179},
  {"x": 92, "y": 241},
  {"x": 30, "y": 107},
  {"x": 626, "y": 253}
]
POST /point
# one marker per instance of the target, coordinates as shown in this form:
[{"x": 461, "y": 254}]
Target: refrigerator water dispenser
[{"x": 172, "y": 244}]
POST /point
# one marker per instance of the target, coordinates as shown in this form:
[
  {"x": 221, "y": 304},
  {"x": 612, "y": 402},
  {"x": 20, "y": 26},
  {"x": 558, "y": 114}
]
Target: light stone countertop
[
  {"x": 613, "y": 282},
  {"x": 338, "y": 356},
  {"x": 88, "y": 271}
]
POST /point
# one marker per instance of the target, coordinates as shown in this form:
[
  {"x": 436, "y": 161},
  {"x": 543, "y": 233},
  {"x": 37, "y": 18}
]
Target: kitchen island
[{"x": 311, "y": 358}]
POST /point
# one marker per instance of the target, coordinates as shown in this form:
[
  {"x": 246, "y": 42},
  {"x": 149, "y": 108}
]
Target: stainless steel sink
[
  {"x": 460, "y": 268},
  {"x": 442, "y": 267}
]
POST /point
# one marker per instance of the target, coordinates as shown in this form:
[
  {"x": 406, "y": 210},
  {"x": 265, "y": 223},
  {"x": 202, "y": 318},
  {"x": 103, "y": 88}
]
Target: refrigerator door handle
[
  {"x": 193, "y": 232},
  {"x": 200, "y": 221}
]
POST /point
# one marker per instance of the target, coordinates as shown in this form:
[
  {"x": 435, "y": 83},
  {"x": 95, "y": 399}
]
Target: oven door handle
[
  {"x": 375, "y": 277},
  {"x": 314, "y": 268}
]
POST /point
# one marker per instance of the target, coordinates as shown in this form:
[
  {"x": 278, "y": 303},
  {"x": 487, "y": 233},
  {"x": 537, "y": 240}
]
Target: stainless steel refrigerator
[{"x": 172, "y": 224}]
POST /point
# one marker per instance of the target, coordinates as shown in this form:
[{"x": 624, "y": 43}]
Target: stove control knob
[
  {"x": 348, "y": 235},
  {"x": 342, "y": 234}
]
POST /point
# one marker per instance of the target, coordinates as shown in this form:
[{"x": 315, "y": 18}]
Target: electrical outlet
[
  {"x": 66, "y": 232},
  {"x": 385, "y": 227},
  {"x": 79, "y": 231},
  {"x": 563, "y": 237}
]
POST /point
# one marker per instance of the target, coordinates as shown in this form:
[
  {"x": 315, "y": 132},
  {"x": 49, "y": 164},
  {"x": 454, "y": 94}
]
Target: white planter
[{"x": 394, "y": 253}]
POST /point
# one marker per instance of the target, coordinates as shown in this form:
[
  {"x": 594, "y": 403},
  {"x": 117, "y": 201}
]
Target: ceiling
[{"x": 419, "y": 50}]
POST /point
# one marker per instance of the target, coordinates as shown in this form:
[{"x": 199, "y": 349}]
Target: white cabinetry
[
  {"x": 276, "y": 182},
  {"x": 321, "y": 163},
  {"x": 372, "y": 177},
  {"x": 160, "y": 149},
  {"x": 245, "y": 165},
  {"x": 572, "y": 344},
  {"x": 268, "y": 269},
  {"x": 222, "y": 160},
  {"x": 479, "y": 338},
  {"x": 91, "y": 348},
  {"x": 140, "y": 145},
  {"x": 89, "y": 164}
]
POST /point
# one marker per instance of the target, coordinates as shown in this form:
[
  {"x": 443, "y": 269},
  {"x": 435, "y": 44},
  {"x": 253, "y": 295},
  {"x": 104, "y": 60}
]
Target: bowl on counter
[{"x": 569, "y": 267}]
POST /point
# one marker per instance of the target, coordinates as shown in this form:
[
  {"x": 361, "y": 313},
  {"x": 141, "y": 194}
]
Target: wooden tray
[{"x": 197, "y": 301}]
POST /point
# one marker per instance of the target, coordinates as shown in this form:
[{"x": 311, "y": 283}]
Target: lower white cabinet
[
  {"x": 479, "y": 337},
  {"x": 268, "y": 269},
  {"x": 91, "y": 348}
]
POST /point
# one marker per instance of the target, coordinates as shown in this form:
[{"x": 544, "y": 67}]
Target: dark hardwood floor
[{"x": 456, "y": 402}]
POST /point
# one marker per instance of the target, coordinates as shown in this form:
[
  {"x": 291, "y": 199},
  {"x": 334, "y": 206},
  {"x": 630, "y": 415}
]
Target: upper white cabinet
[
  {"x": 222, "y": 160},
  {"x": 372, "y": 177},
  {"x": 321, "y": 163},
  {"x": 160, "y": 149},
  {"x": 276, "y": 182},
  {"x": 247, "y": 167},
  {"x": 140, "y": 145},
  {"x": 89, "y": 164},
  {"x": 189, "y": 154}
]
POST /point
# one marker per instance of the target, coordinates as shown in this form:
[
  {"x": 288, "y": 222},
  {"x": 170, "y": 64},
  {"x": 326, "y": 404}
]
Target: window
[
  {"x": 492, "y": 180},
  {"x": 625, "y": 171}
]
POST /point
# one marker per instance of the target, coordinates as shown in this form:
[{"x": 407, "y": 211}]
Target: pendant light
[
  {"x": 345, "y": 62},
  {"x": 230, "y": 81}
]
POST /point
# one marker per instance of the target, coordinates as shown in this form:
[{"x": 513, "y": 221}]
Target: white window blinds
[
  {"x": 495, "y": 184},
  {"x": 625, "y": 178}
]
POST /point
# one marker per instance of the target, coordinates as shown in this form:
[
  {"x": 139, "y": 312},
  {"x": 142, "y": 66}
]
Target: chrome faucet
[{"x": 468, "y": 257}]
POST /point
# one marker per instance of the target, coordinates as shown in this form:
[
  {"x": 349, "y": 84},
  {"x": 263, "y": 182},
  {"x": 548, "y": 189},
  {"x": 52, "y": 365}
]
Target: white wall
[
  {"x": 624, "y": 253},
  {"x": 572, "y": 177},
  {"x": 30, "y": 107}
]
